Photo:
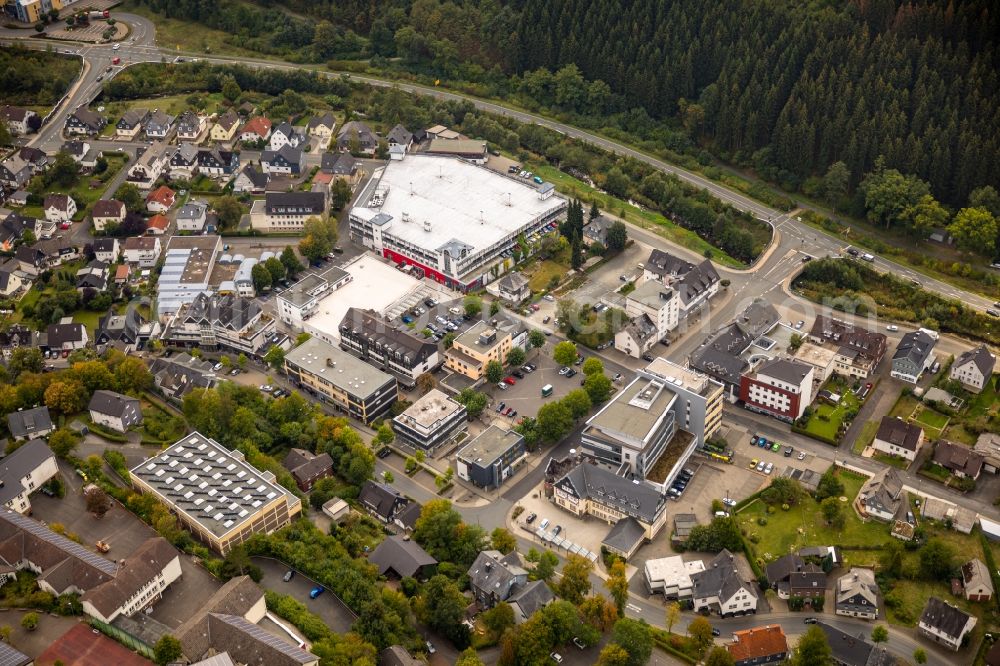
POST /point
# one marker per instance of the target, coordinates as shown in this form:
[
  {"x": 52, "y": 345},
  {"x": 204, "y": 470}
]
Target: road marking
[{"x": 633, "y": 608}]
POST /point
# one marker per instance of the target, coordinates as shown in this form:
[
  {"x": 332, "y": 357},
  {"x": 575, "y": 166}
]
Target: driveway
[{"x": 328, "y": 606}]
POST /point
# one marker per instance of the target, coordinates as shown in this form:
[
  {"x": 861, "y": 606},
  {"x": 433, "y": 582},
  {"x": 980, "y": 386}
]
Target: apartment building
[{"x": 475, "y": 348}]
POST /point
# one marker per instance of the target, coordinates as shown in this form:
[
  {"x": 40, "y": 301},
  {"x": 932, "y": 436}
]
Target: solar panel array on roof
[
  {"x": 266, "y": 637},
  {"x": 208, "y": 482},
  {"x": 72, "y": 548}
]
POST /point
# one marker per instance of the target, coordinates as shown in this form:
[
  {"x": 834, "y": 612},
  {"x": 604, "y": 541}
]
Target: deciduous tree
[
  {"x": 617, "y": 585},
  {"x": 575, "y": 581},
  {"x": 975, "y": 230},
  {"x": 564, "y": 353},
  {"x": 636, "y": 638}
]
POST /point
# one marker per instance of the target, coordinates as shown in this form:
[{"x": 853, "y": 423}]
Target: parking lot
[
  {"x": 335, "y": 614},
  {"x": 603, "y": 283},
  {"x": 124, "y": 532}
]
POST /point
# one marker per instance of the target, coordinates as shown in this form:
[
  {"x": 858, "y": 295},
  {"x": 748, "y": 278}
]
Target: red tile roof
[
  {"x": 758, "y": 642},
  {"x": 82, "y": 647},
  {"x": 121, "y": 273},
  {"x": 163, "y": 195},
  {"x": 260, "y": 126},
  {"x": 158, "y": 222}
]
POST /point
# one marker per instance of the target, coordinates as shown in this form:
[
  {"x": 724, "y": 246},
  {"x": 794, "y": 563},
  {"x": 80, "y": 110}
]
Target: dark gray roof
[
  {"x": 665, "y": 263},
  {"x": 531, "y": 597},
  {"x": 112, "y": 403},
  {"x": 373, "y": 328},
  {"x": 10, "y": 656},
  {"x": 400, "y": 134},
  {"x": 785, "y": 369},
  {"x": 719, "y": 355},
  {"x": 105, "y": 244},
  {"x": 783, "y": 567},
  {"x": 256, "y": 176},
  {"x": 958, "y": 458},
  {"x": 59, "y": 334},
  {"x": 381, "y": 499},
  {"x": 397, "y": 655},
  {"x": 944, "y": 617},
  {"x": 982, "y": 357},
  {"x": 496, "y": 573},
  {"x": 21, "y": 462},
  {"x": 304, "y": 202},
  {"x": 593, "y": 482},
  {"x": 915, "y": 346},
  {"x": 696, "y": 281},
  {"x": 851, "y": 650},
  {"x": 625, "y": 534},
  {"x": 253, "y": 645},
  {"x": 720, "y": 579},
  {"x": 402, "y": 555},
  {"x": 340, "y": 164},
  {"x": 326, "y": 119},
  {"x": 883, "y": 491},
  {"x": 407, "y": 516},
  {"x": 899, "y": 432},
  {"x": 366, "y": 137},
  {"x": 29, "y": 421},
  {"x": 304, "y": 465},
  {"x": 287, "y": 152},
  {"x": 223, "y": 310}
]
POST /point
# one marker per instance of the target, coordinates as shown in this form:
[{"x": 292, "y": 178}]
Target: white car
[
  {"x": 892, "y": 328},
  {"x": 549, "y": 297},
  {"x": 116, "y": 47},
  {"x": 266, "y": 388},
  {"x": 729, "y": 501},
  {"x": 802, "y": 455},
  {"x": 769, "y": 468},
  {"x": 217, "y": 367}
]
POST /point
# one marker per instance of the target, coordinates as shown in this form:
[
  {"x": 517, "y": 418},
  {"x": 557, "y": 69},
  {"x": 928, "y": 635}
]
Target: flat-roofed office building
[
  {"x": 360, "y": 390},
  {"x": 430, "y": 421},
  {"x": 215, "y": 493},
  {"x": 491, "y": 458}
]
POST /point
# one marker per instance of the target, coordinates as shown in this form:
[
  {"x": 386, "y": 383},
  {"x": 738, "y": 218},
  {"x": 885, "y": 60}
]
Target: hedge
[
  {"x": 662, "y": 640},
  {"x": 819, "y": 438},
  {"x": 109, "y": 435},
  {"x": 306, "y": 621}
]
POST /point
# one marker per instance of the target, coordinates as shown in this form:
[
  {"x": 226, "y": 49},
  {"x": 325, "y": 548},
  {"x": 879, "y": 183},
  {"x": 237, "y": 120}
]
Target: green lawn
[
  {"x": 803, "y": 525},
  {"x": 83, "y": 194},
  {"x": 865, "y": 437},
  {"x": 172, "y": 105},
  {"x": 928, "y": 417},
  {"x": 540, "y": 274},
  {"x": 987, "y": 402},
  {"x": 826, "y": 418},
  {"x": 648, "y": 220},
  {"x": 904, "y": 406},
  {"x": 89, "y": 319}
]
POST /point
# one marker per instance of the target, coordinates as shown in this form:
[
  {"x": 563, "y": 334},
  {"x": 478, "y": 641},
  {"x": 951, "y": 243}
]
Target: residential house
[
  {"x": 30, "y": 423},
  {"x": 131, "y": 123},
  {"x": 473, "y": 349},
  {"x": 184, "y": 161},
  {"x": 859, "y": 351},
  {"x": 896, "y": 437},
  {"x": 59, "y": 208},
  {"x": 720, "y": 588},
  {"x": 976, "y": 581},
  {"x": 83, "y": 121},
  {"x": 191, "y": 127},
  {"x": 307, "y": 468},
  {"x": 495, "y": 577},
  {"x": 66, "y": 337},
  {"x": 974, "y": 369},
  {"x": 160, "y": 200},
  {"x": 658, "y": 302},
  {"x": 106, "y": 250},
  {"x": 225, "y": 127},
  {"x": 178, "y": 375},
  {"x": 596, "y": 230},
  {"x": 792, "y": 576},
  {"x": 122, "y": 273},
  {"x": 357, "y": 135},
  {"x": 342, "y": 166},
  {"x": 31, "y": 259},
  {"x": 854, "y": 650},
  {"x": 914, "y": 354},
  {"x": 285, "y": 135},
  {"x": 254, "y": 130},
  {"x": 945, "y": 624},
  {"x": 191, "y": 216},
  {"x": 15, "y": 172},
  {"x": 158, "y": 125},
  {"x": 857, "y": 594},
  {"x": 988, "y": 446},
  {"x": 58, "y": 251},
  {"x": 780, "y": 387},
  {"x": 382, "y": 501},
  {"x": 75, "y": 149},
  {"x": 157, "y": 225},
  {"x": 22, "y": 472},
  {"x": 958, "y": 459},
  {"x": 38, "y": 159},
  {"x": 286, "y": 160},
  {"x": 142, "y": 251},
  {"x": 217, "y": 163},
  {"x": 10, "y": 280},
  {"x": 149, "y": 166},
  {"x": 114, "y": 410},
  {"x": 107, "y": 211},
  {"x": 18, "y": 199},
  {"x": 513, "y": 287},
  {"x": 12, "y": 228},
  {"x": 17, "y": 336},
  {"x": 125, "y": 331},
  {"x": 637, "y": 337},
  {"x": 92, "y": 276},
  {"x": 720, "y": 355},
  {"x": 401, "y": 557},
  {"x": 401, "y": 137},
  {"x": 694, "y": 283},
  {"x": 17, "y": 119},
  {"x": 321, "y": 126},
  {"x": 882, "y": 496},
  {"x": 251, "y": 180},
  {"x": 759, "y": 645}
]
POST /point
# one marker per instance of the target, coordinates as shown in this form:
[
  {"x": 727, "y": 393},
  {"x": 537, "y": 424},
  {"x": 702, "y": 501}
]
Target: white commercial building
[
  {"x": 456, "y": 221},
  {"x": 672, "y": 576}
]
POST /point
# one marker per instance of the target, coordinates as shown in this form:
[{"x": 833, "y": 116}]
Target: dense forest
[
  {"x": 34, "y": 78},
  {"x": 783, "y": 87}
]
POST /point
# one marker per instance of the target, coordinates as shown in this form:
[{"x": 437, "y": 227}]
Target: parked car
[
  {"x": 564, "y": 370},
  {"x": 788, "y": 452},
  {"x": 288, "y": 575},
  {"x": 384, "y": 452},
  {"x": 430, "y": 647},
  {"x": 647, "y": 357},
  {"x": 579, "y": 643},
  {"x": 892, "y": 328},
  {"x": 518, "y": 374},
  {"x": 234, "y": 372},
  {"x": 280, "y": 393},
  {"x": 556, "y": 657},
  {"x": 776, "y": 447},
  {"x": 753, "y": 463},
  {"x": 571, "y": 373},
  {"x": 500, "y": 407},
  {"x": 557, "y": 530},
  {"x": 761, "y": 465},
  {"x": 768, "y": 468},
  {"x": 266, "y": 388},
  {"x": 802, "y": 455},
  {"x": 217, "y": 367},
  {"x": 509, "y": 380},
  {"x": 810, "y": 620},
  {"x": 315, "y": 592},
  {"x": 531, "y": 518}
]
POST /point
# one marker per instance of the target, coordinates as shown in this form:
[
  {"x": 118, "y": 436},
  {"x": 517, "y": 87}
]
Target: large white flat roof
[
  {"x": 375, "y": 285},
  {"x": 461, "y": 201},
  {"x": 673, "y": 570}
]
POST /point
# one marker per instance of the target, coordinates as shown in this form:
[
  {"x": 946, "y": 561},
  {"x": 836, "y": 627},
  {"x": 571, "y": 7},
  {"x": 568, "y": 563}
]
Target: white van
[
  {"x": 455, "y": 311},
  {"x": 544, "y": 523},
  {"x": 868, "y": 257}
]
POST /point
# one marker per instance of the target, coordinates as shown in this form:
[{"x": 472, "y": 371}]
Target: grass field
[
  {"x": 172, "y": 105},
  {"x": 189, "y": 36},
  {"x": 541, "y": 273},
  {"x": 866, "y": 436},
  {"x": 803, "y": 525},
  {"x": 83, "y": 194},
  {"x": 648, "y": 220}
]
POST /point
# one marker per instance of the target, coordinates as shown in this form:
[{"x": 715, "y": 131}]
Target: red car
[
  {"x": 509, "y": 380},
  {"x": 535, "y": 307}
]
